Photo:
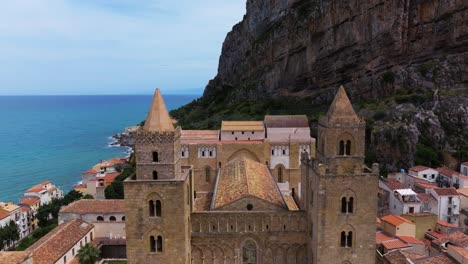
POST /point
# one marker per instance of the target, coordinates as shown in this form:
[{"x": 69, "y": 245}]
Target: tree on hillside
[
  {"x": 8, "y": 234},
  {"x": 88, "y": 254},
  {"x": 47, "y": 214}
]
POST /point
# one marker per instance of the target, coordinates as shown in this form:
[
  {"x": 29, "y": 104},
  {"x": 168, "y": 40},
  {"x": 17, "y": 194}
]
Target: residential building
[
  {"x": 448, "y": 201},
  {"x": 401, "y": 200},
  {"x": 446, "y": 178},
  {"x": 45, "y": 191},
  {"x": 10, "y": 212},
  {"x": 398, "y": 226},
  {"x": 424, "y": 172},
  {"x": 464, "y": 168},
  {"x": 32, "y": 204},
  {"x": 423, "y": 221}
]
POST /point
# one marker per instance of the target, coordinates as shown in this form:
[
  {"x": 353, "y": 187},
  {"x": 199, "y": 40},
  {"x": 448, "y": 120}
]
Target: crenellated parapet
[{"x": 144, "y": 137}]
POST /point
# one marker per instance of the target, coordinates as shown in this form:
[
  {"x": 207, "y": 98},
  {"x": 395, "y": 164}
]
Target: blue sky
[{"x": 112, "y": 46}]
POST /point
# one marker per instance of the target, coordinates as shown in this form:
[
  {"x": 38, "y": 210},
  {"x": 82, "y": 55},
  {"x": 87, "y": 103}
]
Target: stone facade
[{"x": 292, "y": 215}]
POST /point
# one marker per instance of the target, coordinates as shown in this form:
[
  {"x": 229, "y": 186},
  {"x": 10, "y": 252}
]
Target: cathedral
[{"x": 252, "y": 192}]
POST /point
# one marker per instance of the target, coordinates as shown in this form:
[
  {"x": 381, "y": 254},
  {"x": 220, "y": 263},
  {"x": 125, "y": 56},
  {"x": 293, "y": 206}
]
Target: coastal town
[{"x": 418, "y": 215}]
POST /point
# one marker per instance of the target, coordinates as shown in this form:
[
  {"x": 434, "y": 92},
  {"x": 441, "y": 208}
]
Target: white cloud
[{"x": 126, "y": 42}]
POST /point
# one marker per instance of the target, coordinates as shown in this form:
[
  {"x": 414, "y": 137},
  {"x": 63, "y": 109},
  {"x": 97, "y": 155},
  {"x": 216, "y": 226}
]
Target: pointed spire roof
[
  {"x": 158, "y": 119},
  {"x": 341, "y": 108}
]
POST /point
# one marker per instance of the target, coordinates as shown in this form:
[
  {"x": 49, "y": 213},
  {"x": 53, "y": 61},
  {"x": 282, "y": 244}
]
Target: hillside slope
[{"x": 402, "y": 62}]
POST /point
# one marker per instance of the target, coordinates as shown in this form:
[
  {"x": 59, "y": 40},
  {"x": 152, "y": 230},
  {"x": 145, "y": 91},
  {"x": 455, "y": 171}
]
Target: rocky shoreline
[{"x": 126, "y": 138}]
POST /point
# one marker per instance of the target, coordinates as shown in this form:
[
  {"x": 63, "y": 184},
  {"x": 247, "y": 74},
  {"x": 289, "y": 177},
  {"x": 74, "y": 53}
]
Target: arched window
[
  {"x": 349, "y": 239},
  {"x": 350, "y": 205},
  {"x": 155, "y": 156},
  {"x": 159, "y": 244},
  {"x": 348, "y": 147},
  {"x": 123, "y": 218},
  {"x": 155, "y": 175},
  {"x": 280, "y": 174},
  {"x": 158, "y": 208},
  {"x": 207, "y": 174},
  {"x": 343, "y": 239},
  {"x": 342, "y": 148},
  {"x": 152, "y": 244},
  {"x": 249, "y": 252},
  {"x": 219, "y": 164},
  {"x": 100, "y": 218},
  {"x": 343, "y": 205},
  {"x": 151, "y": 208},
  {"x": 112, "y": 218}
]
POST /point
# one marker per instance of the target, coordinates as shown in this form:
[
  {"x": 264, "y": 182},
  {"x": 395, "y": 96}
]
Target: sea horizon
[{"x": 57, "y": 137}]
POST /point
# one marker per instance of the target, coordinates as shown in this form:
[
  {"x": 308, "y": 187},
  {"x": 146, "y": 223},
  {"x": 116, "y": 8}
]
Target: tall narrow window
[
  {"x": 343, "y": 205},
  {"x": 158, "y": 208},
  {"x": 159, "y": 244},
  {"x": 342, "y": 148},
  {"x": 343, "y": 239},
  {"x": 348, "y": 147},
  {"x": 207, "y": 174},
  {"x": 272, "y": 152},
  {"x": 350, "y": 205},
  {"x": 349, "y": 239},
  {"x": 249, "y": 252},
  {"x": 155, "y": 156},
  {"x": 155, "y": 175},
  {"x": 152, "y": 244},
  {"x": 151, "y": 208},
  {"x": 280, "y": 174}
]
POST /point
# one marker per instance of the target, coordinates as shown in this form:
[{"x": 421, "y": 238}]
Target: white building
[
  {"x": 424, "y": 172},
  {"x": 448, "y": 201},
  {"x": 242, "y": 130},
  {"x": 464, "y": 168},
  {"x": 400, "y": 200},
  {"x": 45, "y": 191}
]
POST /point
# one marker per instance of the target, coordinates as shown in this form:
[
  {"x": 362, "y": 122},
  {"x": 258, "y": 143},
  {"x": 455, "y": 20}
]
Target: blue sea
[{"x": 56, "y": 138}]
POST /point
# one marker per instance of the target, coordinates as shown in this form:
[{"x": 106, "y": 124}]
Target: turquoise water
[{"x": 56, "y": 138}]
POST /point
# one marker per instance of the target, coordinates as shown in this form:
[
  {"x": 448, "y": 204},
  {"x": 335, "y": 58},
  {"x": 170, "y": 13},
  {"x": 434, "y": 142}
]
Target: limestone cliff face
[{"x": 377, "y": 49}]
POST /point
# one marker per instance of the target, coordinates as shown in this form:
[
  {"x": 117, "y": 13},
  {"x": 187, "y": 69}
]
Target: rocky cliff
[{"x": 402, "y": 62}]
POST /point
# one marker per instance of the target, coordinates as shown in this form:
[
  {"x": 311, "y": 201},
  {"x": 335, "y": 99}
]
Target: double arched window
[
  {"x": 347, "y": 205},
  {"x": 345, "y": 148},
  {"x": 156, "y": 245},
  {"x": 155, "y": 208},
  {"x": 346, "y": 239}
]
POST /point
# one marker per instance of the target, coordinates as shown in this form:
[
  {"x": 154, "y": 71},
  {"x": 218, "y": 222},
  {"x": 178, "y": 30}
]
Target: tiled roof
[
  {"x": 439, "y": 259},
  {"x": 3, "y": 215},
  {"x": 446, "y": 171},
  {"x": 381, "y": 237},
  {"x": 289, "y": 200},
  {"x": 410, "y": 240},
  {"x": 393, "y": 184},
  {"x": 395, "y": 220},
  {"x": 110, "y": 177},
  {"x": 36, "y": 189},
  {"x": 418, "y": 214},
  {"x": 436, "y": 234},
  {"x": 14, "y": 257},
  {"x": 79, "y": 186},
  {"x": 394, "y": 244},
  {"x": 446, "y": 191},
  {"x": 419, "y": 168},
  {"x": 55, "y": 244},
  {"x": 242, "y": 126},
  {"x": 426, "y": 185},
  {"x": 395, "y": 257},
  {"x": 272, "y": 121},
  {"x": 426, "y": 197},
  {"x": 196, "y": 135},
  {"x": 29, "y": 200},
  {"x": 455, "y": 238},
  {"x": 244, "y": 177},
  {"x": 90, "y": 171},
  {"x": 443, "y": 223},
  {"x": 90, "y": 206},
  {"x": 462, "y": 251}
]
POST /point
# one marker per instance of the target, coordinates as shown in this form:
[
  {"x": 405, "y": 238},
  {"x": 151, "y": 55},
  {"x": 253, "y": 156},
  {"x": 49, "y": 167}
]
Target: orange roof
[
  {"x": 395, "y": 243},
  {"x": 381, "y": 237},
  {"x": 36, "y": 189},
  {"x": 446, "y": 191},
  {"x": 393, "y": 184},
  {"x": 435, "y": 234},
  {"x": 189, "y": 136},
  {"x": 95, "y": 206},
  {"x": 29, "y": 200},
  {"x": 90, "y": 171},
  {"x": 459, "y": 250},
  {"x": 410, "y": 240},
  {"x": 242, "y": 126},
  {"x": 110, "y": 177},
  {"x": 447, "y": 172},
  {"x": 443, "y": 223},
  {"x": 3, "y": 215},
  {"x": 15, "y": 257},
  {"x": 419, "y": 168},
  {"x": 51, "y": 247},
  {"x": 395, "y": 220},
  {"x": 426, "y": 185},
  {"x": 244, "y": 177},
  {"x": 79, "y": 186},
  {"x": 158, "y": 119}
]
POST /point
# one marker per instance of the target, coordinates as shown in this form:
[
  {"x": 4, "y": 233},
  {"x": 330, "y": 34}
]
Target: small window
[
  {"x": 249, "y": 207},
  {"x": 152, "y": 244},
  {"x": 65, "y": 259},
  {"x": 350, "y": 205},
  {"x": 284, "y": 152},
  {"x": 159, "y": 244},
  {"x": 343, "y": 239},
  {"x": 242, "y": 132},
  {"x": 348, "y": 147},
  {"x": 100, "y": 218},
  {"x": 425, "y": 176},
  {"x": 342, "y": 148},
  {"x": 183, "y": 154},
  {"x": 158, "y": 208},
  {"x": 253, "y": 132},
  {"x": 236, "y": 138},
  {"x": 211, "y": 153},
  {"x": 232, "y": 132},
  {"x": 86, "y": 240},
  {"x": 112, "y": 218},
  {"x": 343, "y": 205},
  {"x": 73, "y": 251},
  {"x": 203, "y": 153},
  {"x": 155, "y": 157},
  {"x": 155, "y": 175},
  {"x": 272, "y": 152},
  {"x": 151, "y": 208}
]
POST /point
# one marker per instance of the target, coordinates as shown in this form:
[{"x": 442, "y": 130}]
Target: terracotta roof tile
[
  {"x": 110, "y": 177},
  {"x": 436, "y": 234},
  {"x": 273, "y": 121},
  {"x": 3, "y": 215},
  {"x": 459, "y": 250},
  {"x": 443, "y": 223},
  {"x": 395, "y": 257},
  {"x": 395, "y": 220},
  {"x": 446, "y": 191},
  {"x": 419, "y": 168},
  {"x": 439, "y": 259},
  {"x": 56, "y": 243},
  {"x": 394, "y": 184},
  {"x": 447, "y": 172},
  {"x": 410, "y": 240},
  {"x": 463, "y": 191},
  {"x": 29, "y": 200},
  {"x": 14, "y": 257},
  {"x": 456, "y": 238},
  {"x": 426, "y": 185},
  {"x": 244, "y": 177},
  {"x": 426, "y": 197},
  {"x": 188, "y": 135},
  {"x": 242, "y": 126},
  {"x": 90, "y": 171},
  {"x": 289, "y": 200},
  {"x": 381, "y": 237},
  {"x": 88, "y": 206},
  {"x": 394, "y": 244}
]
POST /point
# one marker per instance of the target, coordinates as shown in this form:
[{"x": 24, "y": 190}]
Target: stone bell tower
[
  {"x": 157, "y": 198},
  {"x": 340, "y": 197}
]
